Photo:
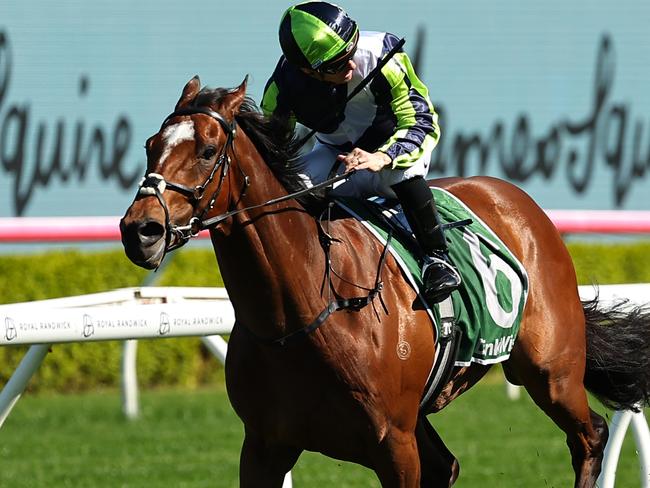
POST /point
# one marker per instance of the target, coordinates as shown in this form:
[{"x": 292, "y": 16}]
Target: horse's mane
[{"x": 274, "y": 139}]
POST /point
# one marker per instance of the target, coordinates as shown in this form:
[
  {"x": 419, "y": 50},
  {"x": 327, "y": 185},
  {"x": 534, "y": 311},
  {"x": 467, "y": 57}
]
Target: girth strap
[
  {"x": 449, "y": 342},
  {"x": 354, "y": 304}
]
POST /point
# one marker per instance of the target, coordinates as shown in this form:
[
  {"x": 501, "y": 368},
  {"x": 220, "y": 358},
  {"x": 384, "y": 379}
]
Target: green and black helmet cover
[{"x": 314, "y": 33}]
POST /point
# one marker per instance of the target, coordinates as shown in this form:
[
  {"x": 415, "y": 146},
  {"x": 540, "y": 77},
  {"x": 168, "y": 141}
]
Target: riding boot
[{"x": 439, "y": 276}]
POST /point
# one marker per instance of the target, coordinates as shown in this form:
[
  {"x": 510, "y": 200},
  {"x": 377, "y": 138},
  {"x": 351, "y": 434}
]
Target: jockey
[{"x": 386, "y": 132}]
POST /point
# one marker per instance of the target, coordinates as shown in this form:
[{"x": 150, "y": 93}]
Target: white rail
[{"x": 150, "y": 312}]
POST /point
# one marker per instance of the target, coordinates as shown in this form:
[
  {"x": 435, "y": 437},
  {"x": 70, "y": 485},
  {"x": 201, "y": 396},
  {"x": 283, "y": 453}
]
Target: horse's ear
[
  {"x": 190, "y": 91},
  {"x": 234, "y": 99}
]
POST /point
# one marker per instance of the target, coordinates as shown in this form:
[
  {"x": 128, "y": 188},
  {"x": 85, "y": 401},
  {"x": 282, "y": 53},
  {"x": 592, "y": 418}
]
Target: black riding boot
[{"x": 439, "y": 276}]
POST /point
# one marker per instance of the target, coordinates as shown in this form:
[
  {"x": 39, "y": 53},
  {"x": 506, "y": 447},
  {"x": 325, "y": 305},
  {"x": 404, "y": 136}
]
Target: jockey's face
[{"x": 339, "y": 78}]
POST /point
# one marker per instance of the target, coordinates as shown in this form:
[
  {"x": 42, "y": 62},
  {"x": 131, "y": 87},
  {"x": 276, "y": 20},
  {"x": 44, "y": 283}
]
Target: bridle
[{"x": 156, "y": 184}]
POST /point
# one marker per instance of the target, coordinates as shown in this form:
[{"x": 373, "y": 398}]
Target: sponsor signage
[{"x": 552, "y": 96}]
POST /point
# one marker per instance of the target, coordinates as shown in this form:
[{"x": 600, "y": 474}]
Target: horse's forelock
[
  {"x": 209, "y": 97},
  {"x": 273, "y": 139}
]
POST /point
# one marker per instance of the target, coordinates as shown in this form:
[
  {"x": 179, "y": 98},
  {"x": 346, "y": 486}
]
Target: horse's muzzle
[{"x": 143, "y": 241}]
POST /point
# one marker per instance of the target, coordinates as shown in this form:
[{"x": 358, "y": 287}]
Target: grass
[{"x": 187, "y": 438}]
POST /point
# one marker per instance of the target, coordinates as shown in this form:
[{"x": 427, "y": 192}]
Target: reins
[{"x": 214, "y": 221}]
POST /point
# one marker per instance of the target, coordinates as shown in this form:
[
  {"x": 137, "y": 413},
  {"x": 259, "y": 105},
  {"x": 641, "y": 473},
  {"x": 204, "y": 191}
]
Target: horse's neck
[{"x": 270, "y": 255}]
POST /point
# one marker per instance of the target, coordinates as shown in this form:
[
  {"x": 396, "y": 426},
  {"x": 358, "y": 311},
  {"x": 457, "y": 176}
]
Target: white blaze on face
[{"x": 174, "y": 135}]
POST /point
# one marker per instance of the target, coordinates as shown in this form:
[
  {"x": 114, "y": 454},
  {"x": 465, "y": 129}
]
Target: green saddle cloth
[{"x": 489, "y": 305}]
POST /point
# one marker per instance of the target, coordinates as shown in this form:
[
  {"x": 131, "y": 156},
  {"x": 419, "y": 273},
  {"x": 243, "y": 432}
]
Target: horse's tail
[{"x": 618, "y": 354}]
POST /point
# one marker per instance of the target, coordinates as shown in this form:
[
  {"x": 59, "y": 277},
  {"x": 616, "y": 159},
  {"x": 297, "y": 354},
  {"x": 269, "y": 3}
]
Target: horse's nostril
[{"x": 151, "y": 230}]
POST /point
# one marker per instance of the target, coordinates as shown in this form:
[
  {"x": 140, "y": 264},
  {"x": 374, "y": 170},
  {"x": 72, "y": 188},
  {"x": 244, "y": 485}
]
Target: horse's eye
[{"x": 209, "y": 152}]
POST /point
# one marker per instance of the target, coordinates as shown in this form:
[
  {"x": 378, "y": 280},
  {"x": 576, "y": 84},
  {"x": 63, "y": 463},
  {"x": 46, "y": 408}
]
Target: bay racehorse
[{"x": 304, "y": 374}]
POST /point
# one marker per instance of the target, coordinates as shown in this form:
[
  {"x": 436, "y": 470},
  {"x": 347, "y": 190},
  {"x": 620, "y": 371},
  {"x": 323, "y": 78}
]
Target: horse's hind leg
[
  {"x": 555, "y": 384},
  {"x": 263, "y": 465},
  {"x": 438, "y": 466}
]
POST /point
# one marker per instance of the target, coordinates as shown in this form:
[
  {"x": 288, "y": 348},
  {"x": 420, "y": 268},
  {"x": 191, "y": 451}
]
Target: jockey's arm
[{"x": 417, "y": 131}]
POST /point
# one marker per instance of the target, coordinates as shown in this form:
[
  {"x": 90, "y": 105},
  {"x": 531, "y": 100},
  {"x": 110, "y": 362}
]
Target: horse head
[{"x": 186, "y": 179}]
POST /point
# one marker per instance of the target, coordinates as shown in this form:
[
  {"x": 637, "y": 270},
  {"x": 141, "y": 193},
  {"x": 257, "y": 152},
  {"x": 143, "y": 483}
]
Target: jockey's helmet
[{"x": 317, "y": 34}]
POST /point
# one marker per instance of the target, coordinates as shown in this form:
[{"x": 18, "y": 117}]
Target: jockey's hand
[{"x": 360, "y": 159}]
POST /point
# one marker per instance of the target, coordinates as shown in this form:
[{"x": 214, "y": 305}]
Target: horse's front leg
[
  {"x": 397, "y": 464},
  {"x": 265, "y": 465},
  {"x": 438, "y": 466}
]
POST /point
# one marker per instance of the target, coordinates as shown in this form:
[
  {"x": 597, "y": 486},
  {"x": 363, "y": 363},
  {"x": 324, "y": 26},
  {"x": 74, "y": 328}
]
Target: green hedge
[
  {"x": 73, "y": 367},
  {"x": 611, "y": 263}
]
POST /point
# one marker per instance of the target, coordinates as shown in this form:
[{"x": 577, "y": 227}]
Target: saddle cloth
[{"x": 489, "y": 305}]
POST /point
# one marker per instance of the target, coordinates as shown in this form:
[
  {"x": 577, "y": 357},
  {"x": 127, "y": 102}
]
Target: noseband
[{"x": 154, "y": 184}]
